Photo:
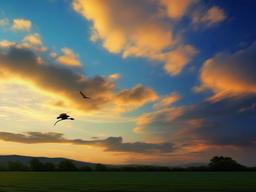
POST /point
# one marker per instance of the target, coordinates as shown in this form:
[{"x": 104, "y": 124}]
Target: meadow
[{"x": 128, "y": 181}]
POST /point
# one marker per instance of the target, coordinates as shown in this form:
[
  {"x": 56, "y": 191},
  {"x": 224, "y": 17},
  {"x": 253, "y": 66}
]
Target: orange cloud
[
  {"x": 6, "y": 44},
  {"x": 21, "y": 25},
  {"x": 114, "y": 144},
  {"x": 68, "y": 58},
  {"x": 179, "y": 58},
  {"x": 230, "y": 74},
  {"x": 32, "y": 41},
  {"x": 22, "y": 65},
  {"x": 210, "y": 17},
  {"x": 114, "y": 76},
  {"x": 161, "y": 124},
  {"x": 177, "y": 8},
  {"x": 227, "y": 122},
  {"x": 138, "y": 29},
  {"x": 135, "y": 97},
  {"x": 168, "y": 100}
]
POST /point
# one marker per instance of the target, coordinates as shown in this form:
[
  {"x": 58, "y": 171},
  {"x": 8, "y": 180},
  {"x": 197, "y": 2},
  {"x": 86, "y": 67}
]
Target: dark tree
[
  {"x": 67, "y": 165},
  {"x": 220, "y": 163}
]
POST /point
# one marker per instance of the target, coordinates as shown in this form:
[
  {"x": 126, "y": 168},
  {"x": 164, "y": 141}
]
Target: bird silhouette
[
  {"x": 62, "y": 117},
  {"x": 84, "y": 96}
]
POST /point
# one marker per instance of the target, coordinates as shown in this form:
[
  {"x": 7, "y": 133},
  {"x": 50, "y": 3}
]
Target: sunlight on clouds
[
  {"x": 168, "y": 100},
  {"x": 68, "y": 58},
  {"x": 7, "y": 44},
  {"x": 21, "y": 25},
  {"x": 20, "y": 65},
  {"x": 135, "y": 97},
  {"x": 178, "y": 58},
  {"x": 121, "y": 28},
  {"x": 33, "y": 39},
  {"x": 177, "y": 8},
  {"x": 229, "y": 74},
  {"x": 115, "y": 76},
  {"x": 210, "y": 17}
]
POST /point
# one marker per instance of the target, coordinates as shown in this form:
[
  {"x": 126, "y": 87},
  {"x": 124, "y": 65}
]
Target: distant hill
[{"x": 4, "y": 159}]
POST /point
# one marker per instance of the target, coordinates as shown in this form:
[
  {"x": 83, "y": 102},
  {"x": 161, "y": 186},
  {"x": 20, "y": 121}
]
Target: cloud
[
  {"x": 114, "y": 76},
  {"x": 230, "y": 74},
  {"x": 32, "y": 41},
  {"x": 137, "y": 96},
  {"x": 7, "y": 44},
  {"x": 212, "y": 16},
  {"x": 113, "y": 144},
  {"x": 168, "y": 100},
  {"x": 179, "y": 58},
  {"x": 64, "y": 84},
  {"x": 21, "y": 25},
  {"x": 22, "y": 64},
  {"x": 177, "y": 8},
  {"x": 139, "y": 29},
  {"x": 223, "y": 123},
  {"x": 68, "y": 58},
  {"x": 159, "y": 124}
]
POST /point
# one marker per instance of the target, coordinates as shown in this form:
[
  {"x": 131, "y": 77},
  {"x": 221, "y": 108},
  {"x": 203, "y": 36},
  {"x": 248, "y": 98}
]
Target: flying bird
[
  {"x": 84, "y": 96},
  {"x": 62, "y": 117}
]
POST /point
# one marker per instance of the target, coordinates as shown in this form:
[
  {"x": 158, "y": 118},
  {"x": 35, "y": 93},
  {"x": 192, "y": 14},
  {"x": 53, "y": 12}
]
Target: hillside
[{"x": 4, "y": 159}]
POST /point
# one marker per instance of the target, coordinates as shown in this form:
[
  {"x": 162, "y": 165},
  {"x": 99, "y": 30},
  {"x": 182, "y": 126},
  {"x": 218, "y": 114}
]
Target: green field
[{"x": 127, "y": 181}]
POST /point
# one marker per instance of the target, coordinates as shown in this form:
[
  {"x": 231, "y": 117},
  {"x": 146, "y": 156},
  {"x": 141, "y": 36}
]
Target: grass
[{"x": 128, "y": 182}]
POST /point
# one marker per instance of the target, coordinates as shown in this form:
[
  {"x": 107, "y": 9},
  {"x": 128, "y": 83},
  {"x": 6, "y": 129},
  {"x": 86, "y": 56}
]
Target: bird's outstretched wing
[
  {"x": 58, "y": 121},
  {"x": 84, "y": 96}
]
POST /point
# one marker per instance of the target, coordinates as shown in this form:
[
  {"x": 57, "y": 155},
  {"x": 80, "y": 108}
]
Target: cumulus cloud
[
  {"x": 68, "y": 58},
  {"x": 113, "y": 144},
  {"x": 32, "y": 41},
  {"x": 230, "y": 74},
  {"x": 21, "y": 25},
  {"x": 7, "y": 44},
  {"x": 212, "y": 16},
  {"x": 139, "y": 29},
  {"x": 137, "y": 96},
  {"x": 64, "y": 83}
]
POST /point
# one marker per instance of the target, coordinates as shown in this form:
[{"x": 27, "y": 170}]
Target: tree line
[{"x": 217, "y": 163}]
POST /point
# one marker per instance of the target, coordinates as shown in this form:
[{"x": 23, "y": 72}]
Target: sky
[{"x": 171, "y": 82}]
